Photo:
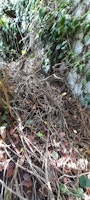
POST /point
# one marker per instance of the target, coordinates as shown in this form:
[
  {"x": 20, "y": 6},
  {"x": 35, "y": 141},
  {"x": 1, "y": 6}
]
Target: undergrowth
[
  {"x": 55, "y": 25},
  {"x": 4, "y": 90},
  {"x": 40, "y": 159}
]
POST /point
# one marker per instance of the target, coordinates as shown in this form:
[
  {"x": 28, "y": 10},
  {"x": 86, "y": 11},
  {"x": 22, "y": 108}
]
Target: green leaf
[
  {"x": 88, "y": 75},
  {"x": 29, "y": 122},
  {"x": 83, "y": 181},
  {"x": 64, "y": 189},
  {"x": 3, "y": 22},
  {"x": 32, "y": 56},
  {"x": 40, "y": 134},
  {"x": 55, "y": 155},
  {"x": 60, "y": 56},
  {"x": 84, "y": 82},
  {"x": 58, "y": 47},
  {"x": 4, "y": 125},
  {"x": 79, "y": 192},
  {"x": 23, "y": 52},
  {"x": 80, "y": 68},
  {"x": 88, "y": 182},
  {"x": 3, "y": 118}
]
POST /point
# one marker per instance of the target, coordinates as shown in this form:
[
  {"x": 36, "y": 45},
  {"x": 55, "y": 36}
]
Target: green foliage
[
  {"x": 13, "y": 28},
  {"x": 4, "y": 90},
  {"x": 57, "y": 30},
  {"x": 63, "y": 189},
  {"x": 86, "y": 96},
  {"x": 78, "y": 193},
  {"x": 88, "y": 75},
  {"x": 3, "y": 22},
  {"x": 55, "y": 25},
  {"x": 3, "y": 118}
]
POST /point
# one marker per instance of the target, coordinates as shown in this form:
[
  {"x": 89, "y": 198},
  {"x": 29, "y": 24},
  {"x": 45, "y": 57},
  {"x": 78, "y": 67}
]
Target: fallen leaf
[
  {"x": 3, "y": 160},
  {"x": 61, "y": 162},
  {"x": 1, "y": 168},
  {"x": 26, "y": 177},
  {"x": 66, "y": 143},
  {"x": 27, "y": 102},
  {"x": 30, "y": 138},
  {"x": 1, "y": 154},
  {"x": 10, "y": 172},
  {"x": 65, "y": 179},
  {"x": 45, "y": 191},
  {"x": 64, "y": 94},
  {"x": 1, "y": 140},
  {"x": 21, "y": 161},
  {"x": 87, "y": 152},
  {"x": 21, "y": 150},
  {"x": 88, "y": 191},
  {"x": 55, "y": 126},
  {"x": 45, "y": 122},
  {"x": 10, "y": 169},
  {"x": 53, "y": 163},
  {"x": 15, "y": 135},
  {"x": 41, "y": 104},
  {"x": 28, "y": 184},
  {"x": 75, "y": 131},
  {"x": 75, "y": 171},
  {"x": 3, "y": 132},
  {"x": 67, "y": 171},
  {"x": 11, "y": 131},
  {"x": 71, "y": 197},
  {"x": 74, "y": 153},
  {"x": 34, "y": 107},
  {"x": 62, "y": 134}
]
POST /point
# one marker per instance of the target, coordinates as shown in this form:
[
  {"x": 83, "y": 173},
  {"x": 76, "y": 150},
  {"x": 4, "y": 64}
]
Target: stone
[{"x": 78, "y": 47}]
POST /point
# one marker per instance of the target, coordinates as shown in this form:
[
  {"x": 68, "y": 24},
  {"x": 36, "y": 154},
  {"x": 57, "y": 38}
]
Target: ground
[{"x": 45, "y": 146}]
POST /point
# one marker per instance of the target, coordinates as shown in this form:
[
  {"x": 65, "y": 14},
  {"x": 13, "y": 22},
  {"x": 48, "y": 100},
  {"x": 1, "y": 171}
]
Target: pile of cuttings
[{"x": 40, "y": 153}]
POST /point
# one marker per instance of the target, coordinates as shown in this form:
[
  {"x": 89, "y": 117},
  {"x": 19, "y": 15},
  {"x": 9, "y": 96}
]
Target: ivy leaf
[
  {"x": 55, "y": 155},
  {"x": 29, "y": 122},
  {"x": 3, "y": 118},
  {"x": 84, "y": 182},
  {"x": 79, "y": 192},
  {"x": 88, "y": 75},
  {"x": 88, "y": 182},
  {"x": 58, "y": 47},
  {"x": 64, "y": 189},
  {"x": 4, "y": 125}
]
